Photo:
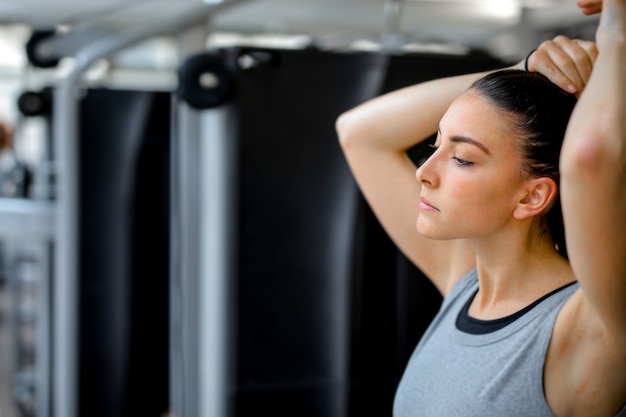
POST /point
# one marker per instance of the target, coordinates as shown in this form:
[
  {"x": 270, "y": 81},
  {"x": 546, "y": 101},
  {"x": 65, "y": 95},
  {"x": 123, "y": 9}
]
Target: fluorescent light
[{"x": 504, "y": 9}]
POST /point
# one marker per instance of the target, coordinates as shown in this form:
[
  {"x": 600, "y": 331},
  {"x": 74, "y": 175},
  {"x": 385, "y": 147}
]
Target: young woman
[{"x": 522, "y": 331}]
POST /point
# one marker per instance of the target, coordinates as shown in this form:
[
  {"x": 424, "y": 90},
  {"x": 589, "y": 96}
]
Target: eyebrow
[{"x": 465, "y": 139}]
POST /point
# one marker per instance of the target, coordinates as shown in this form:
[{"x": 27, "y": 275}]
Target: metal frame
[
  {"x": 185, "y": 243},
  {"x": 217, "y": 263},
  {"x": 203, "y": 167},
  {"x": 29, "y": 225},
  {"x": 67, "y": 249},
  {"x": 202, "y": 267},
  {"x": 26, "y": 219}
]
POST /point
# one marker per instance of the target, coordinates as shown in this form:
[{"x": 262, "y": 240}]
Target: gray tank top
[{"x": 472, "y": 372}]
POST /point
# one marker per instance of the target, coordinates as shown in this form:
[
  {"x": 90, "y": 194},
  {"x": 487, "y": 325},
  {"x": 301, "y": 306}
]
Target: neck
[{"x": 513, "y": 273}]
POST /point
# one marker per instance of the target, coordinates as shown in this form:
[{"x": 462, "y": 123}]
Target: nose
[{"x": 425, "y": 173}]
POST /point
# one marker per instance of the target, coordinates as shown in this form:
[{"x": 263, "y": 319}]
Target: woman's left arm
[{"x": 593, "y": 179}]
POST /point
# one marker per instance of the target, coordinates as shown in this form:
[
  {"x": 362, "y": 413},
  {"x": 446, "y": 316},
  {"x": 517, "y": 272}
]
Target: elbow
[
  {"x": 586, "y": 158},
  {"x": 598, "y": 153},
  {"x": 345, "y": 128}
]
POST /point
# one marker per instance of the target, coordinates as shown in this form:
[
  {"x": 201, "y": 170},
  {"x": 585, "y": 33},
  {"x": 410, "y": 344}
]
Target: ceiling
[{"x": 506, "y": 26}]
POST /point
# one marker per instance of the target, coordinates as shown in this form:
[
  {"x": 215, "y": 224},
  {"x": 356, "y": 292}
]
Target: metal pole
[
  {"x": 392, "y": 39},
  {"x": 65, "y": 338},
  {"x": 64, "y": 349},
  {"x": 217, "y": 246},
  {"x": 185, "y": 243}
]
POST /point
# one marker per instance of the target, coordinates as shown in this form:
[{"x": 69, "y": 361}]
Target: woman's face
[{"x": 473, "y": 181}]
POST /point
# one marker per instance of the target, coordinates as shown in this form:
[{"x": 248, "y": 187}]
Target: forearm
[{"x": 400, "y": 119}]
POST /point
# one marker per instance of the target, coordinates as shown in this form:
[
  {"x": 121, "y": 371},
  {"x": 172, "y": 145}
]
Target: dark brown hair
[{"x": 541, "y": 111}]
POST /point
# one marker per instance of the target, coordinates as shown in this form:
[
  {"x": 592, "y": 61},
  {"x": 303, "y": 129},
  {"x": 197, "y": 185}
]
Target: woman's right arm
[{"x": 375, "y": 137}]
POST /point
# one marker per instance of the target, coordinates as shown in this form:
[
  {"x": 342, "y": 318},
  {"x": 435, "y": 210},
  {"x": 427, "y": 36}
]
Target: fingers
[
  {"x": 589, "y": 7},
  {"x": 585, "y": 57},
  {"x": 567, "y": 63}
]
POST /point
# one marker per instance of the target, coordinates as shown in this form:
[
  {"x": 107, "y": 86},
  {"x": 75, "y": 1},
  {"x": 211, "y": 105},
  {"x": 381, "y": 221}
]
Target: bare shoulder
[{"x": 585, "y": 366}]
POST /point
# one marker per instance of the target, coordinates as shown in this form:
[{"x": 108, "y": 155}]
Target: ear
[{"x": 537, "y": 197}]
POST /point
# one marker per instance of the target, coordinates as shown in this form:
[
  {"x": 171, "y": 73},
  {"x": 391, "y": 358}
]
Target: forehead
[{"x": 474, "y": 116}]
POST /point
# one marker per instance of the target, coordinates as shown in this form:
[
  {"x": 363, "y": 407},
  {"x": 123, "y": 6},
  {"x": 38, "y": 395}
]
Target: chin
[
  {"x": 428, "y": 232},
  {"x": 433, "y": 233}
]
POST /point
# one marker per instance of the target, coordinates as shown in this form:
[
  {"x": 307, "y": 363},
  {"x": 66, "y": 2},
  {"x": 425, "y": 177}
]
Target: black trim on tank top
[{"x": 471, "y": 325}]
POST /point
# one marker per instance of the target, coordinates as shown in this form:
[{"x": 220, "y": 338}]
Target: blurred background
[{"x": 179, "y": 232}]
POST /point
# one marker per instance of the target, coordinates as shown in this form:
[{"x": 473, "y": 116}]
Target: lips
[{"x": 426, "y": 205}]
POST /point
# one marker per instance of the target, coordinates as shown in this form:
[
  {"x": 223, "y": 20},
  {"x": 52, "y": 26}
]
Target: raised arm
[
  {"x": 593, "y": 180},
  {"x": 375, "y": 137}
]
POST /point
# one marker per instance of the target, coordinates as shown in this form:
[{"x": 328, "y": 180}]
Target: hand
[
  {"x": 566, "y": 62},
  {"x": 590, "y": 7}
]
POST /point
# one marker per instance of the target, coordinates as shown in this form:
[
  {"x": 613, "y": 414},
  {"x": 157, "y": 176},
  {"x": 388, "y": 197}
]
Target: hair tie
[{"x": 527, "y": 57}]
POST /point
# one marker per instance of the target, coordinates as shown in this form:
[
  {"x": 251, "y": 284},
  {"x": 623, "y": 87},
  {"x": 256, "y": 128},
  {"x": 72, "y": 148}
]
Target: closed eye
[{"x": 463, "y": 162}]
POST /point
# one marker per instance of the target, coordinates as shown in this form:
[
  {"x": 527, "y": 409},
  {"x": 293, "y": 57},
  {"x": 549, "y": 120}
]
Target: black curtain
[{"x": 124, "y": 244}]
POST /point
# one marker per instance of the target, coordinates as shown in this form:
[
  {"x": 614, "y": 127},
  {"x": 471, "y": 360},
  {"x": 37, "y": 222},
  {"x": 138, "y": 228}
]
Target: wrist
[
  {"x": 526, "y": 68},
  {"x": 518, "y": 66}
]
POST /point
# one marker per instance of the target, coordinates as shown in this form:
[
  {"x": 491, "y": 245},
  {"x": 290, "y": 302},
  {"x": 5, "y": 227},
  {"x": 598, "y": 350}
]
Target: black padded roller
[
  {"x": 35, "y": 103},
  {"x": 205, "y": 81},
  {"x": 31, "y": 49}
]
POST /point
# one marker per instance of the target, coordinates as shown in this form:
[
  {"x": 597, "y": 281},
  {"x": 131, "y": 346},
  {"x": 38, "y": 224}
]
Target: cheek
[{"x": 487, "y": 197}]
